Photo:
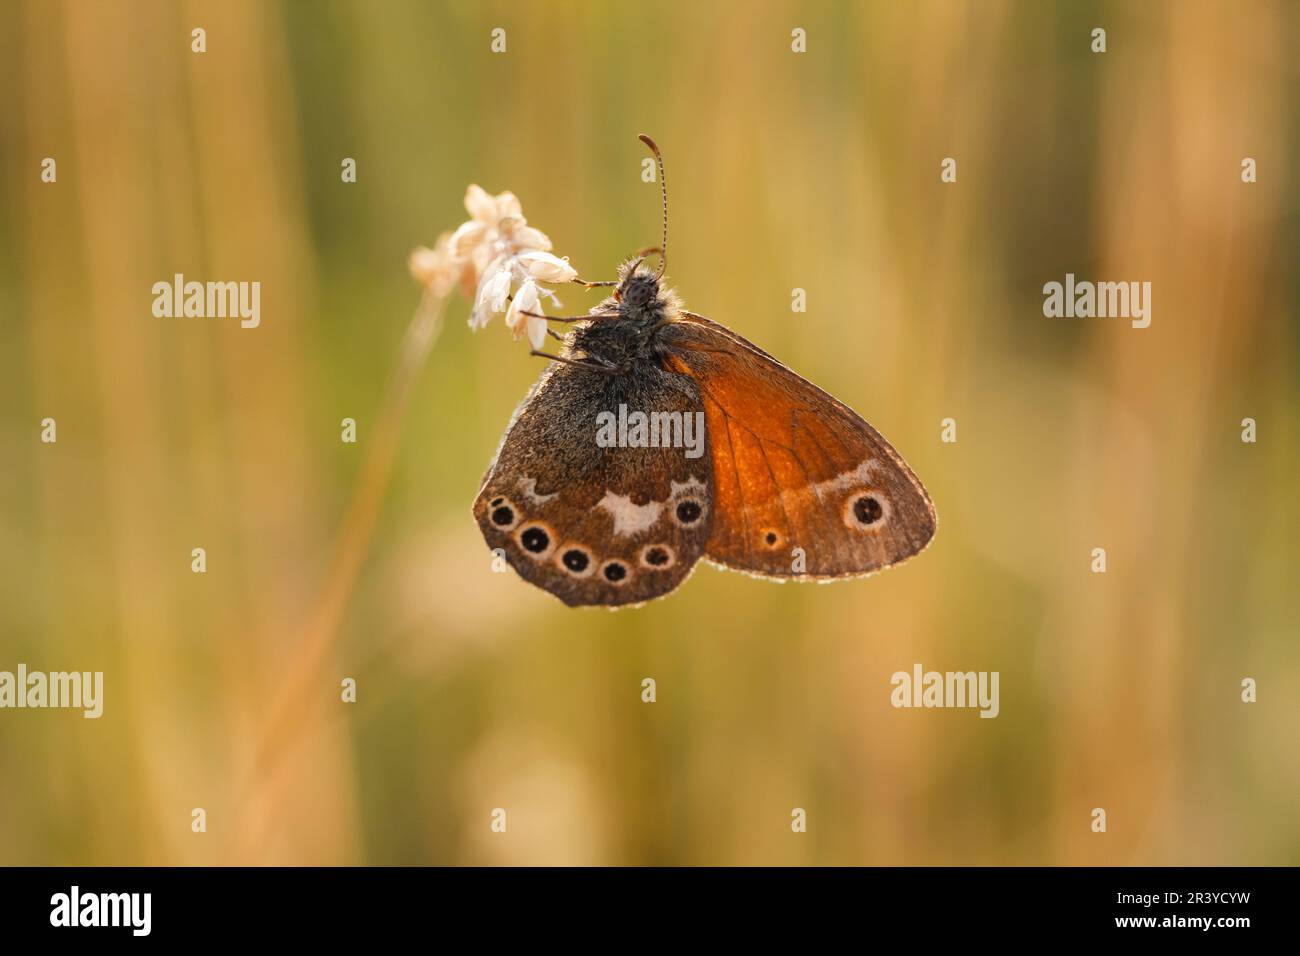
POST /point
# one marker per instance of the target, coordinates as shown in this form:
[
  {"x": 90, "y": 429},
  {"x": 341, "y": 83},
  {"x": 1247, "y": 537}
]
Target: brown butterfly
[{"x": 601, "y": 506}]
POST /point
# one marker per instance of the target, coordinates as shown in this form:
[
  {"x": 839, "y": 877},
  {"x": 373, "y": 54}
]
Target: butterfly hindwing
[
  {"x": 802, "y": 485},
  {"x": 598, "y": 525}
]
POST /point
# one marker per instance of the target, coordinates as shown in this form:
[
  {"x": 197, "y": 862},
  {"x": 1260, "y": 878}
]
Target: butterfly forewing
[
  {"x": 589, "y": 522},
  {"x": 802, "y": 485}
]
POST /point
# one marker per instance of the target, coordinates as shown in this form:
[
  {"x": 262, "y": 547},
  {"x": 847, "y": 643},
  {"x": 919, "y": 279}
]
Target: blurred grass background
[{"x": 818, "y": 171}]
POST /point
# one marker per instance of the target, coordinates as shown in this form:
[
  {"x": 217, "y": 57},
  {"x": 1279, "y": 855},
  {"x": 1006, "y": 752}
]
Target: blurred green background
[{"x": 818, "y": 171}]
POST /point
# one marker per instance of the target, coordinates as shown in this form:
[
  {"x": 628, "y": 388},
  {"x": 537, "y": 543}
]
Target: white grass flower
[
  {"x": 486, "y": 214},
  {"x": 438, "y": 269},
  {"x": 527, "y": 300},
  {"x": 490, "y": 255},
  {"x": 548, "y": 268},
  {"x": 493, "y": 292},
  {"x": 521, "y": 237},
  {"x": 496, "y": 227}
]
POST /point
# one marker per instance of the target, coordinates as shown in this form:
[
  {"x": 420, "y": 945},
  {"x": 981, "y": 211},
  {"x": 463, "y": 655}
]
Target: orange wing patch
[{"x": 803, "y": 487}]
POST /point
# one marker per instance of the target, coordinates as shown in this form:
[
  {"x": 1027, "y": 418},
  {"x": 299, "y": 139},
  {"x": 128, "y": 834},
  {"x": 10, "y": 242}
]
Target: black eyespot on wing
[
  {"x": 688, "y": 511},
  {"x": 771, "y": 537},
  {"x": 615, "y": 572},
  {"x": 534, "y": 539},
  {"x": 502, "y": 514},
  {"x": 867, "y": 510},
  {"x": 657, "y": 557},
  {"x": 576, "y": 560}
]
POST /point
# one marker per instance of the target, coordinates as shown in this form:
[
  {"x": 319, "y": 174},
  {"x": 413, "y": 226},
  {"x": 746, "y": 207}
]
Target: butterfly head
[
  {"x": 638, "y": 288},
  {"x": 641, "y": 297}
]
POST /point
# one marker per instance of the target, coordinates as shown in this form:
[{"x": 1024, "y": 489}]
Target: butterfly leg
[
  {"x": 593, "y": 366},
  {"x": 564, "y": 318},
  {"x": 569, "y": 318}
]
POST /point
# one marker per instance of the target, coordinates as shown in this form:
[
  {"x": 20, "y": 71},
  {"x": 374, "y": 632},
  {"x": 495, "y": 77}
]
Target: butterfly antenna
[
  {"x": 662, "y": 249},
  {"x": 663, "y": 189}
]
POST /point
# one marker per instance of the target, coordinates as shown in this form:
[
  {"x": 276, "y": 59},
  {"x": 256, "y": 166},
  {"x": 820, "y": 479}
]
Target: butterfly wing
[
  {"x": 594, "y": 524},
  {"x": 803, "y": 487}
]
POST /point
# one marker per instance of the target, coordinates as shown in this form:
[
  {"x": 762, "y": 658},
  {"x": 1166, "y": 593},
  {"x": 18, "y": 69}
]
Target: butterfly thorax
[{"x": 623, "y": 331}]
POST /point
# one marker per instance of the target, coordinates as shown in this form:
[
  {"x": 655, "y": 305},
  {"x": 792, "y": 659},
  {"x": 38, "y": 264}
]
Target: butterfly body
[{"x": 781, "y": 480}]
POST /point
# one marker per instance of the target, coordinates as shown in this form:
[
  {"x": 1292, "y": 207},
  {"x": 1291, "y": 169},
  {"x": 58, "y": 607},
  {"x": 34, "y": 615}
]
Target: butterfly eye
[
  {"x": 535, "y": 538},
  {"x": 864, "y": 511},
  {"x": 576, "y": 560},
  {"x": 657, "y": 557},
  {"x": 502, "y": 513},
  {"x": 688, "y": 512},
  {"x": 615, "y": 572}
]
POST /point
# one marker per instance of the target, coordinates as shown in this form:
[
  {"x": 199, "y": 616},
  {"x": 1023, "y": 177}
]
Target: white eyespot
[
  {"x": 502, "y": 514},
  {"x": 866, "y": 510},
  {"x": 657, "y": 557},
  {"x": 536, "y": 539},
  {"x": 575, "y": 560},
  {"x": 616, "y": 572}
]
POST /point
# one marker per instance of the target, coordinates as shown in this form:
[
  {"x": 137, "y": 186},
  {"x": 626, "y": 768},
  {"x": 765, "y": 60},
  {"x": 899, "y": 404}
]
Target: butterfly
[{"x": 600, "y": 505}]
